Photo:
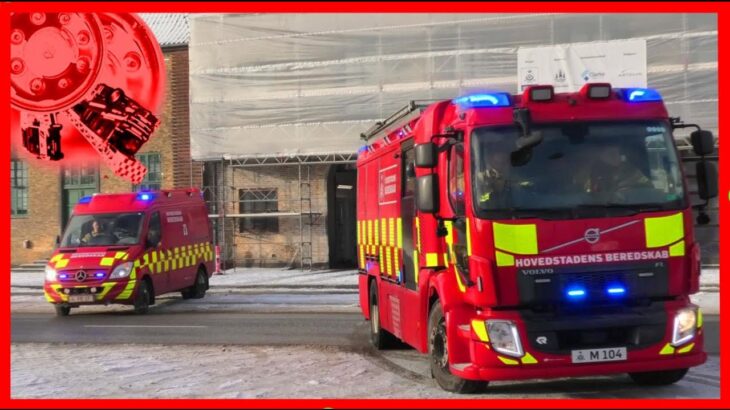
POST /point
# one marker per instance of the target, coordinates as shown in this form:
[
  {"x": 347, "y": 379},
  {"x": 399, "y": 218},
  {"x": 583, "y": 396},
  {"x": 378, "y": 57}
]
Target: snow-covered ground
[{"x": 176, "y": 371}]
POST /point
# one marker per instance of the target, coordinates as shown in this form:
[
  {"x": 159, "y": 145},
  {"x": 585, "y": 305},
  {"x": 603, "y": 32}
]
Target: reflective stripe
[
  {"x": 56, "y": 257},
  {"x": 388, "y": 266},
  {"x": 362, "y": 257},
  {"x": 699, "y": 318},
  {"x": 480, "y": 329},
  {"x": 384, "y": 231},
  {"x": 62, "y": 263},
  {"x": 106, "y": 261},
  {"x": 107, "y": 287},
  {"x": 432, "y": 259},
  {"x": 127, "y": 292},
  {"x": 415, "y": 265},
  {"x": 391, "y": 231},
  {"x": 677, "y": 249},
  {"x": 63, "y": 296},
  {"x": 528, "y": 359},
  {"x": 396, "y": 264},
  {"x": 399, "y": 230},
  {"x": 507, "y": 361},
  {"x": 376, "y": 233},
  {"x": 667, "y": 349},
  {"x": 418, "y": 234},
  {"x": 519, "y": 239},
  {"x": 370, "y": 232},
  {"x": 504, "y": 259},
  {"x": 468, "y": 237},
  {"x": 663, "y": 230},
  {"x": 686, "y": 349}
]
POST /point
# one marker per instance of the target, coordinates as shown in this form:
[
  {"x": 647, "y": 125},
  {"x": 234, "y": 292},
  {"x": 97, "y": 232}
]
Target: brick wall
[{"x": 282, "y": 248}]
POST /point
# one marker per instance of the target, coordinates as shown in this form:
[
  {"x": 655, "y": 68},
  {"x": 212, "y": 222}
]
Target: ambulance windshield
[
  {"x": 103, "y": 230},
  {"x": 579, "y": 170}
]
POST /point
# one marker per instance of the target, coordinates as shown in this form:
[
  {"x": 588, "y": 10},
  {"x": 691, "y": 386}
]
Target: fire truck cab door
[{"x": 408, "y": 213}]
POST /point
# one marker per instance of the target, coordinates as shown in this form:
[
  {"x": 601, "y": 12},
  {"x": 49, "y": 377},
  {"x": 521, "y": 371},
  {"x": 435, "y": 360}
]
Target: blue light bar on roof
[
  {"x": 85, "y": 200},
  {"x": 641, "y": 95},
  {"x": 483, "y": 100},
  {"x": 144, "y": 196}
]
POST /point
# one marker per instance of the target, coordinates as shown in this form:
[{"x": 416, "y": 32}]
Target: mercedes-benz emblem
[
  {"x": 81, "y": 276},
  {"x": 592, "y": 235}
]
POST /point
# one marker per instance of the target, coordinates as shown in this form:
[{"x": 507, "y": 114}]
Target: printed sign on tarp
[{"x": 568, "y": 67}]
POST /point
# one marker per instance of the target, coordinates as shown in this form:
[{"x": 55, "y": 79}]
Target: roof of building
[{"x": 171, "y": 29}]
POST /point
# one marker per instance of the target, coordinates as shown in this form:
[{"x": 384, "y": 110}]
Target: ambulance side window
[
  {"x": 457, "y": 184},
  {"x": 154, "y": 232}
]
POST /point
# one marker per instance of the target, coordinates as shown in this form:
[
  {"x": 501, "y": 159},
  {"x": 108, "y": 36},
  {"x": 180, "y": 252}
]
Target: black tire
[
  {"x": 143, "y": 298},
  {"x": 201, "y": 284},
  {"x": 438, "y": 355},
  {"x": 62, "y": 310},
  {"x": 379, "y": 337},
  {"x": 660, "y": 378}
]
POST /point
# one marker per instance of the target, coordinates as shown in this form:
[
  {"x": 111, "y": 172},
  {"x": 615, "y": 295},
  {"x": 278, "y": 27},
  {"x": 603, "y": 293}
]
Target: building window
[
  {"x": 153, "y": 179},
  {"x": 258, "y": 201},
  {"x": 18, "y": 187}
]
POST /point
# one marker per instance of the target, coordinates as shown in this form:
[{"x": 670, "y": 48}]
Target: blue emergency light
[
  {"x": 99, "y": 274},
  {"x": 144, "y": 196},
  {"x": 85, "y": 200},
  {"x": 575, "y": 292},
  {"x": 63, "y": 276},
  {"x": 616, "y": 290},
  {"x": 483, "y": 100},
  {"x": 641, "y": 95}
]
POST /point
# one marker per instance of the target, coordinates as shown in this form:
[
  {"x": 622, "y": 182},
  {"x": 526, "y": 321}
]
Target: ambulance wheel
[
  {"x": 439, "y": 357},
  {"x": 142, "y": 298},
  {"x": 62, "y": 310},
  {"x": 379, "y": 337},
  {"x": 661, "y": 378},
  {"x": 197, "y": 291}
]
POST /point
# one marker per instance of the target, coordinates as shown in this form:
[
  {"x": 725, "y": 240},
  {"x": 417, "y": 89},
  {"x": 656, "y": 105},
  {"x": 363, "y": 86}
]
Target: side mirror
[
  {"x": 706, "y": 180},
  {"x": 703, "y": 142},
  {"x": 426, "y": 155},
  {"x": 427, "y": 194},
  {"x": 528, "y": 141}
]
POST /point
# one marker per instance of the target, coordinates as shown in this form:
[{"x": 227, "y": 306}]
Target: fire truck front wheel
[
  {"x": 379, "y": 337},
  {"x": 661, "y": 378},
  {"x": 439, "y": 355}
]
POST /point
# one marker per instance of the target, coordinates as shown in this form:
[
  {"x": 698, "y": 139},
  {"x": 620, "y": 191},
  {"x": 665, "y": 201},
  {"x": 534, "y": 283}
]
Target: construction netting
[{"x": 283, "y": 84}]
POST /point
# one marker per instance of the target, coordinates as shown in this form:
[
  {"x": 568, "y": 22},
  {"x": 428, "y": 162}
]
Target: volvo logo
[
  {"x": 80, "y": 276},
  {"x": 541, "y": 340},
  {"x": 592, "y": 235}
]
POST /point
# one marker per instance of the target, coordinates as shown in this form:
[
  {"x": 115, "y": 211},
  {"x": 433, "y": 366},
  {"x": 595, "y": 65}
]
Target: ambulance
[{"x": 129, "y": 248}]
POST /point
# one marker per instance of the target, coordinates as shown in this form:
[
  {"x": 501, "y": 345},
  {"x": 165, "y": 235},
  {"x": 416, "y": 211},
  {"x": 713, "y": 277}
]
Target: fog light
[
  {"x": 92, "y": 290},
  {"x": 504, "y": 337},
  {"x": 685, "y": 324},
  {"x": 67, "y": 291}
]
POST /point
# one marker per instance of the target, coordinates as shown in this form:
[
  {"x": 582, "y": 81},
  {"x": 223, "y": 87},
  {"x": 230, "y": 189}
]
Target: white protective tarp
[{"x": 278, "y": 84}]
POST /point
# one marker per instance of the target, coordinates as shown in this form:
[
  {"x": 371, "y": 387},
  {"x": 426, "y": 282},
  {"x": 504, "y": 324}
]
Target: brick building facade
[{"x": 42, "y": 195}]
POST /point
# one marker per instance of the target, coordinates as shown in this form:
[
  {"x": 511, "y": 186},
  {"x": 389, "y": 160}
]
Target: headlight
[
  {"x": 685, "y": 324},
  {"x": 504, "y": 337},
  {"x": 122, "y": 270},
  {"x": 50, "y": 274}
]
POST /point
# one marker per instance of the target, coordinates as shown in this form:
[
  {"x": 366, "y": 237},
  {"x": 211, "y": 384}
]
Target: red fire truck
[
  {"x": 129, "y": 248},
  {"x": 537, "y": 235}
]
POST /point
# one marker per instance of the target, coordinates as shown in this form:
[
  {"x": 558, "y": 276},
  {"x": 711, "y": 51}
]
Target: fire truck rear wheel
[
  {"x": 143, "y": 298},
  {"x": 438, "y": 352},
  {"x": 661, "y": 378},
  {"x": 379, "y": 337},
  {"x": 62, "y": 310}
]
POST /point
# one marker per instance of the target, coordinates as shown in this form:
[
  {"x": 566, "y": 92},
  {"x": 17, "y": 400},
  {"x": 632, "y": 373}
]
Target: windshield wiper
[{"x": 632, "y": 208}]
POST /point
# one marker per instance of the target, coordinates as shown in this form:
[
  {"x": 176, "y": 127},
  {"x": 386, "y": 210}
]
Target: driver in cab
[
  {"x": 96, "y": 230},
  {"x": 494, "y": 181}
]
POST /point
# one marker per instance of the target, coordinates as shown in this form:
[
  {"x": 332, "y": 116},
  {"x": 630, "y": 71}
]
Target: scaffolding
[{"x": 223, "y": 196}]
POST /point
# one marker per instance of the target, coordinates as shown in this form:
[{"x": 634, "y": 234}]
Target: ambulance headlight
[
  {"x": 122, "y": 270},
  {"x": 51, "y": 274},
  {"x": 685, "y": 324},
  {"x": 504, "y": 337}
]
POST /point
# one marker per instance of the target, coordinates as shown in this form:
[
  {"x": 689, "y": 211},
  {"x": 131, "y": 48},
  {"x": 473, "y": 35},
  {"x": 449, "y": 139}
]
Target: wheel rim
[
  {"x": 439, "y": 346},
  {"x": 201, "y": 280},
  {"x": 374, "y": 319}
]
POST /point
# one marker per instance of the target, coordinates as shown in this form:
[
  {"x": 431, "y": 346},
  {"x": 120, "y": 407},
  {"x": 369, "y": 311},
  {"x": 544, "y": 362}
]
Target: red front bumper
[{"x": 117, "y": 291}]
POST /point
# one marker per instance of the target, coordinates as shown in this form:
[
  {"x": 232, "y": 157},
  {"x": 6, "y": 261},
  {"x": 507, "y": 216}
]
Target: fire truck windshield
[
  {"x": 103, "y": 230},
  {"x": 588, "y": 169}
]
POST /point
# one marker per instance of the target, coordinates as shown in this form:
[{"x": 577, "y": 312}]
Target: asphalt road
[{"x": 237, "y": 328}]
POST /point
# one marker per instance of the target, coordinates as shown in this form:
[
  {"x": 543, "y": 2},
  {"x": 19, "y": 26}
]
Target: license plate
[
  {"x": 611, "y": 354},
  {"x": 80, "y": 298}
]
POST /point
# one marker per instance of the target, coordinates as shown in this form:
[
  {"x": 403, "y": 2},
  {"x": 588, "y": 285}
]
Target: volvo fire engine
[{"x": 536, "y": 235}]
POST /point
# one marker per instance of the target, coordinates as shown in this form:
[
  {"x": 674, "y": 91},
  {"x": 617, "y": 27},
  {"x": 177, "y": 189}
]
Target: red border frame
[{"x": 723, "y": 11}]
